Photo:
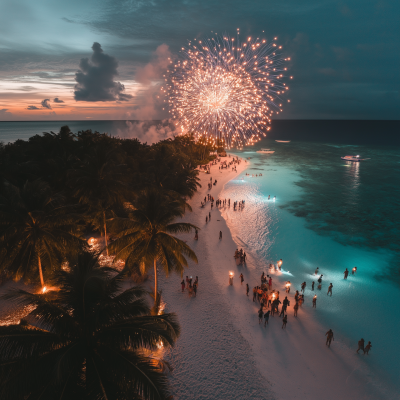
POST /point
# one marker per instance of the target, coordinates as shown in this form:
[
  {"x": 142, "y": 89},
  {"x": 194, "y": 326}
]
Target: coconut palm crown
[
  {"x": 36, "y": 229},
  {"x": 146, "y": 239},
  {"x": 88, "y": 340}
]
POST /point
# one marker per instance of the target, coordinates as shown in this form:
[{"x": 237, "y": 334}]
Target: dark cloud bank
[
  {"x": 57, "y": 100},
  {"x": 95, "y": 79}
]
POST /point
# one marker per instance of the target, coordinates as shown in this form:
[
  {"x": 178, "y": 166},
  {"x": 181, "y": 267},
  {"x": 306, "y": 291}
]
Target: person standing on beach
[
  {"x": 183, "y": 285},
  {"x": 330, "y": 289},
  {"x": 285, "y": 305},
  {"x": 260, "y": 315},
  {"x": 247, "y": 289},
  {"x": 329, "y": 337},
  {"x": 241, "y": 279},
  {"x": 284, "y": 322},
  {"x": 346, "y": 273},
  {"x": 360, "y": 345},
  {"x": 206, "y": 219},
  {"x": 270, "y": 283},
  {"x": 295, "y": 309},
  {"x": 317, "y": 271},
  {"x": 314, "y": 301},
  {"x": 367, "y": 348},
  {"x": 254, "y": 293},
  {"x": 266, "y": 317},
  {"x": 303, "y": 286},
  {"x": 312, "y": 286},
  {"x": 187, "y": 282},
  {"x": 220, "y": 235},
  {"x": 209, "y": 216}
]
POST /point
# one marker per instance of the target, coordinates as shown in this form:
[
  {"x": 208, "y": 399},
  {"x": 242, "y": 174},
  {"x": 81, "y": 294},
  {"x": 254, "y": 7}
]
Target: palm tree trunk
[
  {"x": 105, "y": 230},
  {"x": 155, "y": 282},
  {"x": 40, "y": 272}
]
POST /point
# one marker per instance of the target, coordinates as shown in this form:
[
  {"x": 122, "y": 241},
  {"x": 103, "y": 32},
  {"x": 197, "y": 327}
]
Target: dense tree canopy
[{"x": 89, "y": 340}]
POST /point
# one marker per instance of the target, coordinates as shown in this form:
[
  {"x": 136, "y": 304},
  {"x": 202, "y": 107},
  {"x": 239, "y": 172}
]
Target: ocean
[{"x": 334, "y": 215}]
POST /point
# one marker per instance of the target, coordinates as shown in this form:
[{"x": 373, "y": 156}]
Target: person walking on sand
[
  {"x": 284, "y": 322},
  {"x": 206, "y": 219},
  {"x": 346, "y": 273},
  {"x": 241, "y": 279},
  {"x": 312, "y": 286},
  {"x": 285, "y": 305},
  {"x": 314, "y": 301},
  {"x": 295, "y": 309},
  {"x": 270, "y": 283},
  {"x": 266, "y": 317},
  {"x": 194, "y": 289},
  {"x": 220, "y": 235},
  {"x": 360, "y": 345},
  {"x": 367, "y": 348},
  {"x": 329, "y": 337},
  {"x": 317, "y": 271},
  {"x": 303, "y": 286},
  {"x": 196, "y": 235},
  {"x": 330, "y": 289},
  {"x": 254, "y": 293},
  {"x": 183, "y": 285},
  {"x": 247, "y": 289},
  {"x": 209, "y": 216},
  {"x": 260, "y": 315}
]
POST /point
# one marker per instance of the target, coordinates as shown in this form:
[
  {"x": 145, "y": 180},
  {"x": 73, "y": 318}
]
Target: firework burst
[{"x": 228, "y": 90}]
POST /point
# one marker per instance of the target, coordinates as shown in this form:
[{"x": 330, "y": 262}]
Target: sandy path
[{"x": 211, "y": 359}]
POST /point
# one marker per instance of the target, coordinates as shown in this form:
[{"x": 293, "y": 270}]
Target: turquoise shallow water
[{"x": 334, "y": 215}]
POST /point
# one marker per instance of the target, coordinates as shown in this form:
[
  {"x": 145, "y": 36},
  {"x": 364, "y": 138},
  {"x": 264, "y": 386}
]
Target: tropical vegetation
[{"x": 88, "y": 340}]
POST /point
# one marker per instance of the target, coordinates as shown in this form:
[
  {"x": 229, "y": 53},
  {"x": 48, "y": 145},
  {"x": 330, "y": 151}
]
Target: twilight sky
[{"x": 345, "y": 54}]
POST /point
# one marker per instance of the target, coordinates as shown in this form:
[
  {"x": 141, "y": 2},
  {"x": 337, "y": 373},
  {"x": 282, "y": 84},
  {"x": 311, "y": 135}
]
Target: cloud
[
  {"x": 95, "y": 79},
  {"x": 149, "y": 131},
  {"x": 46, "y": 104},
  {"x": 150, "y": 101},
  {"x": 57, "y": 100},
  {"x": 5, "y": 113},
  {"x": 33, "y": 108}
]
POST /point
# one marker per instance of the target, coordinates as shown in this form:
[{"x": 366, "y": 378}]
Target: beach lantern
[{"x": 44, "y": 290}]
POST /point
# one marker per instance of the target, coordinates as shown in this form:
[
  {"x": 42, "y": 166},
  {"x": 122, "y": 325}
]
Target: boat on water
[
  {"x": 266, "y": 151},
  {"x": 282, "y": 141},
  {"x": 352, "y": 158}
]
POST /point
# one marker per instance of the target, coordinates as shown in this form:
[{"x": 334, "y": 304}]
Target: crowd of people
[
  {"x": 270, "y": 301},
  {"x": 189, "y": 286},
  {"x": 240, "y": 257}
]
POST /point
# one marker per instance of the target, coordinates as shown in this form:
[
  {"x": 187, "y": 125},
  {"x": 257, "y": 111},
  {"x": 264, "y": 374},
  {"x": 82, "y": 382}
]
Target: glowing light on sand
[
  {"x": 44, "y": 289},
  {"x": 227, "y": 90}
]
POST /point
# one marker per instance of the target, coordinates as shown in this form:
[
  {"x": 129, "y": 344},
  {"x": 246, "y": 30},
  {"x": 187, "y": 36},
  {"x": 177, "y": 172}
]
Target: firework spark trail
[{"x": 224, "y": 89}]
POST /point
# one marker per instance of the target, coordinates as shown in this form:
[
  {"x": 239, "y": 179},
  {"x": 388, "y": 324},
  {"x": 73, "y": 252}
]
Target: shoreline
[
  {"x": 294, "y": 363},
  {"x": 211, "y": 360}
]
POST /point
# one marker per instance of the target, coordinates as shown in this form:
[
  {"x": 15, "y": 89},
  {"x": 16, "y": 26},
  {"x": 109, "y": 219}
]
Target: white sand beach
[{"x": 223, "y": 352}]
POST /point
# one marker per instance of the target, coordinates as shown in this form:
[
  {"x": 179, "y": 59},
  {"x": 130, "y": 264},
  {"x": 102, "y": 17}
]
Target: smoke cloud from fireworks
[{"x": 225, "y": 89}]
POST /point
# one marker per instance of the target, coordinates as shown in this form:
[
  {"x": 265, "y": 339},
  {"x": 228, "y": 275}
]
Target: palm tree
[
  {"x": 35, "y": 231},
  {"x": 145, "y": 238},
  {"x": 99, "y": 183},
  {"x": 88, "y": 340}
]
